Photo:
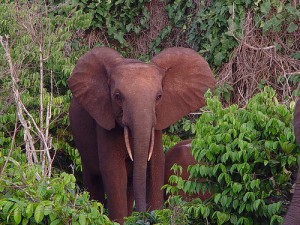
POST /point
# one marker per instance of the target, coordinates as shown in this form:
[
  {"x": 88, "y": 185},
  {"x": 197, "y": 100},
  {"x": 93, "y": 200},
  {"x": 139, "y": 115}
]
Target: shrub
[
  {"x": 118, "y": 18},
  {"x": 27, "y": 198},
  {"x": 248, "y": 157},
  {"x": 157, "y": 217}
]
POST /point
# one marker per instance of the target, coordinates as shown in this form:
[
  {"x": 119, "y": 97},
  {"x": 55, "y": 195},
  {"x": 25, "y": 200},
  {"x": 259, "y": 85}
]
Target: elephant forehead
[{"x": 136, "y": 73}]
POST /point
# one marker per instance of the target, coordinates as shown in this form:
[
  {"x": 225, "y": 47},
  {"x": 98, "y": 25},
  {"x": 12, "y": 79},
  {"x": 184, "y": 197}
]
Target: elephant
[
  {"x": 118, "y": 110},
  {"x": 181, "y": 155},
  {"x": 292, "y": 216}
]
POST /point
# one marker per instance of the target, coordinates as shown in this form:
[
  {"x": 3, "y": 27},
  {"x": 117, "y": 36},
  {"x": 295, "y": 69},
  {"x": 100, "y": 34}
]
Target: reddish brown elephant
[
  {"x": 292, "y": 216},
  {"x": 181, "y": 155},
  {"x": 118, "y": 110}
]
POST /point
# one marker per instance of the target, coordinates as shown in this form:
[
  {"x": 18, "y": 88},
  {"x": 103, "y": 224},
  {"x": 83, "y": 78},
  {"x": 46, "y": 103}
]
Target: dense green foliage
[
  {"x": 26, "y": 198},
  {"x": 248, "y": 157},
  {"x": 118, "y": 17},
  {"x": 206, "y": 26}
]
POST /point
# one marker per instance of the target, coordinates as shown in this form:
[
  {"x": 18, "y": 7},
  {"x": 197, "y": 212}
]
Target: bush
[
  {"x": 248, "y": 156},
  {"x": 157, "y": 217},
  {"x": 118, "y": 18},
  {"x": 26, "y": 198}
]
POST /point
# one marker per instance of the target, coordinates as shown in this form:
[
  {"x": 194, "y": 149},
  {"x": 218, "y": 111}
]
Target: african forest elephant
[
  {"x": 118, "y": 110},
  {"x": 181, "y": 155},
  {"x": 292, "y": 216}
]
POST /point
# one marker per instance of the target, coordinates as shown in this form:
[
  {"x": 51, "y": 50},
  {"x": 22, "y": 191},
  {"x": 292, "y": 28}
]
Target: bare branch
[{"x": 27, "y": 136}]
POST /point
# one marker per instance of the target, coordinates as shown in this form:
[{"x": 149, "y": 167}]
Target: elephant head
[{"x": 140, "y": 97}]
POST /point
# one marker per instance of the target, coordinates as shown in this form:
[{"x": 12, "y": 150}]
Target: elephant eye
[
  {"x": 158, "y": 97},
  {"x": 118, "y": 96}
]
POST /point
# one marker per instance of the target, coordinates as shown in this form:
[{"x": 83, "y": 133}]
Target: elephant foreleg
[
  {"x": 130, "y": 194},
  {"x": 115, "y": 184},
  {"x": 93, "y": 183},
  {"x": 112, "y": 164},
  {"x": 84, "y": 133}
]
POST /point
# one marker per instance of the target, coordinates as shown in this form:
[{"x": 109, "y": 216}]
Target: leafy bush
[
  {"x": 118, "y": 17},
  {"x": 173, "y": 214},
  {"x": 157, "y": 217},
  {"x": 248, "y": 157},
  {"x": 26, "y": 198}
]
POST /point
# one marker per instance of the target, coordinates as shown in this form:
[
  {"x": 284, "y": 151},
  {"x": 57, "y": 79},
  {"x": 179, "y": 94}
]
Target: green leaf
[
  {"x": 55, "y": 222},
  {"x": 222, "y": 217},
  {"x": 217, "y": 198},
  {"x": 29, "y": 210},
  {"x": 39, "y": 213},
  {"x": 235, "y": 203},
  {"x": 25, "y": 221},
  {"x": 256, "y": 204},
  {"x": 242, "y": 207},
  {"x": 296, "y": 55},
  {"x": 274, "y": 208},
  {"x": 82, "y": 219},
  {"x": 224, "y": 201},
  {"x": 276, "y": 220},
  {"x": 291, "y": 159},
  {"x": 205, "y": 211},
  {"x": 287, "y": 147},
  {"x": 255, "y": 183},
  {"x": 17, "y": 215},
  {"x": 7, "y": 206},
  {"x": 218, "y": 58},
  {"x": 265, "y": 7},
  {"x": 42, "y": 189},
  {"x": 237, "y": 187},
  {"x": 292, "y": 27},
  {"x": 48, "y": 209}
]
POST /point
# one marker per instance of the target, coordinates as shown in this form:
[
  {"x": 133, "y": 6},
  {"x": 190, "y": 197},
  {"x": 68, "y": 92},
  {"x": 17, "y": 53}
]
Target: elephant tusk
[
  {"x": 127, "y": 143},
  {"x": 151, "y": 144}
]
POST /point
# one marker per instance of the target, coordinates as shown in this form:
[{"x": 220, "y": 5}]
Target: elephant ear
[
  {"x": 187, "y": 76},
  {"x": 297, "y": 121},
  {"x": 89, "y": 84}
]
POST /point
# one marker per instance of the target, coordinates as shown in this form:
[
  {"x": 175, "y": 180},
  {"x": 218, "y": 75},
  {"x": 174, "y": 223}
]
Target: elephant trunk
[
  {"x": 141, "y": 145},
  {"x": 142, "y": 132},
  {"x": 140, "y": 119}
]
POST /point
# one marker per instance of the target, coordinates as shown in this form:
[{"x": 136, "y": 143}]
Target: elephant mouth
[{"x": 128, "y": 147}]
